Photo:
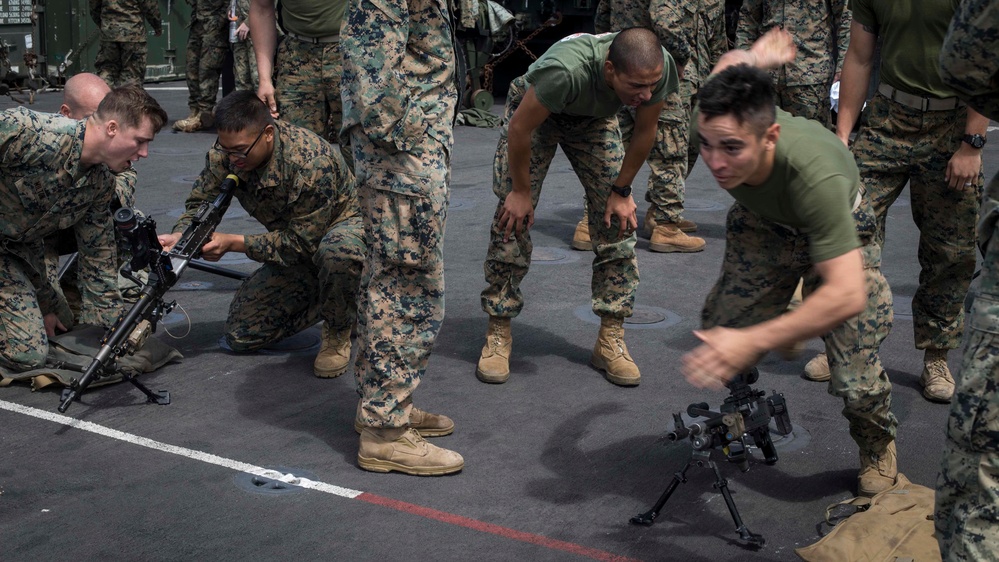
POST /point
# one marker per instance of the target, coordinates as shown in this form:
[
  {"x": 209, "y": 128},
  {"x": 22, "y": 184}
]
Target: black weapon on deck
[
  {"x": 744, "y": 416},
  {"x": 132, "y": 327}
]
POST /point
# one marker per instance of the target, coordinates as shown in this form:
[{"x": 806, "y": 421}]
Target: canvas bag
[
  {"x": 78, "y": 348},
  {"x": 896, "y": 525}
]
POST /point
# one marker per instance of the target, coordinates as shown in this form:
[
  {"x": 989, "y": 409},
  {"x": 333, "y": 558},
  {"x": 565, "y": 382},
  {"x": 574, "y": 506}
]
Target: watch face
[{"x": 977, "y": 141}]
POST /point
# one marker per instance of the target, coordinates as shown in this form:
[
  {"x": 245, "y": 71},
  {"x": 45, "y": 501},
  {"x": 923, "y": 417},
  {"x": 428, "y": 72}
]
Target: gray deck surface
[{"x": 557, "y": 459}]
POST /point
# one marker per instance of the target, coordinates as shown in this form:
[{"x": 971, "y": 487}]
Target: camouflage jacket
[
  {"x": 702, "y": 23},
  {"x": 43, "y": 189},
  {"x": 821, "y": 29},
  {"x": 398, "y": 80},
  {"x": 618, "y": 15},
  {"x": 298, "y": 195},
  {"x": 121, "y": 20},
  {"x": 968, "y": 63}
]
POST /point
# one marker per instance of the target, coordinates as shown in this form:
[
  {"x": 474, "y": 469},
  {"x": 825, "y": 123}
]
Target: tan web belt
[
  {"x": 918, "y": 102},
  {"x": 314, "y": 40}
]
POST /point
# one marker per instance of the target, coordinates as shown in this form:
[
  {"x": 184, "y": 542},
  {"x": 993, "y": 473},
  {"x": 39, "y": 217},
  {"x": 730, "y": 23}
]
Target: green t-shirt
[
  {"x": 569, "y": 78},
  {"x": 813, "y": 187},
  {"x": 912, "y": 32},
  {"x": 313, "y": 18}
]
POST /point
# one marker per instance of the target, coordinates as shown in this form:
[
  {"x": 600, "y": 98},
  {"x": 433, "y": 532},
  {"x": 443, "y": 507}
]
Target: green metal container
[{"x": 65, "y": 38}]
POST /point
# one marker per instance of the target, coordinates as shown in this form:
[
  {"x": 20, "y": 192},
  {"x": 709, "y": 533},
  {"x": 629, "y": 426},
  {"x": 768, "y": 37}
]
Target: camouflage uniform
[
  {"x": 967, "y": 514},
  {"x": 594, "y": 148},
  {"x": 399, "y": 99},
  {"x": 896, "y": 145},
  {"x": 244, "y": 61},
  {"x": 308, "y": 70},
  {"x": 44, "y": 189},
  {"x": 764, "y": 260},
  {"x": 206, "y": 48},
  {"x": 701, "y": 27},
  {"x": 121, "y": 57},
  {"x": 822, "y": 33},
  {"x": 313, "y": 249}
]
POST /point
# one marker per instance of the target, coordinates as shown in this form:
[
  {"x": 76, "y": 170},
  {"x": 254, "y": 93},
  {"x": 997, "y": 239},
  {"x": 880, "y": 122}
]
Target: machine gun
[
  {"x": 132, "y": 327},
  {"x": 744, "y": 416}
]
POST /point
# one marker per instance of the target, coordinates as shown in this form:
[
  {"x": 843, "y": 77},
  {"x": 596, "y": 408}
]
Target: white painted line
[
  {"x": 181, "y": 451},
  {"x": 990, "y": 129}
]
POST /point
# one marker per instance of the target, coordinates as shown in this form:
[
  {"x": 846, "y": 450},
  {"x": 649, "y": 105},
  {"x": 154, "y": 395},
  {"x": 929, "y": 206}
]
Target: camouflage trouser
[
  {"x": 899, "y": 144},
  {"x": 206, "y": 48},
  {"x": 593, "y": 147},
  {"x": 276, "y": 302},
  {"x": 23, "y": 343},
  {"x": 307, "y": 84},
  {"x": 967, "y": 514},
  {"x": 763, "y": 263},
  {"x": 120, "y": 63},
  {"x": 403, "y": 198},
  {"x": 244, "y": 65},
  {"x": 668, "y": 158},
  {"x": 810, "y": 101}
]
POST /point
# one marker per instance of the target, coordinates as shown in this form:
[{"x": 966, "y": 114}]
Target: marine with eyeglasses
[{"x": 298, "y": 187}]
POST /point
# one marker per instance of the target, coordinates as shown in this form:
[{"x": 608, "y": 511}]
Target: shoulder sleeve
[
  {"x": 968, "y": 60},
  {"x": 669, "y": 83},
  {"x": 553, "y": 85},
  {"x": 828, "y": 211},
  {"x": 863, "y": 12}
]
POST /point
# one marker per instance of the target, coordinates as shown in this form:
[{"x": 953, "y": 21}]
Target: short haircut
[
  {"x": 742, "y": 91},
  {"x": 636, "y": 49},
  {"x": 128, "y": 105},
  {"x": 241, "y": 110}
]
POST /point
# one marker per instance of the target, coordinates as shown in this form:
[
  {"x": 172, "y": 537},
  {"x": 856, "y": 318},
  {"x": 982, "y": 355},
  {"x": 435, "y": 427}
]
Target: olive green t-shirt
[
  {"x": 569, "y": 78},
  {"x": 813, "y": 187},
  {"x": 313, "y": 18},
  {"x": 912, "y": 32}
]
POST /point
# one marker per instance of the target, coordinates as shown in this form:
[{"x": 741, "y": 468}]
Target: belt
[
  {"x": 918, "y": 102},
  {"x": 314, "y": 40}
]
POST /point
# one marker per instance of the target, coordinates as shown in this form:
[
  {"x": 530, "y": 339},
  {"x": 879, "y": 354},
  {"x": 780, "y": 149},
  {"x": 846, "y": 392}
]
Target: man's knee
[{"x": 22, "y": 358}]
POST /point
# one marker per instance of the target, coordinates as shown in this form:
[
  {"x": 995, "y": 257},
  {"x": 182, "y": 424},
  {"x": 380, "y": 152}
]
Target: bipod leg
[
  {"x": 744, "y": 533},
  {"x": 649, "y": 516},
  {"x": 160, "y": 397}
]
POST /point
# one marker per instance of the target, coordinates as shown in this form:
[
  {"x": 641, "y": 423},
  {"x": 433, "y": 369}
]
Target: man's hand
[
  {"x": 624, "y": 209},
  {"x": 220, "y": 245},
  {"x": 265, "y": 91},
  {"x": 775, "y": 48},
  {"x": 963, "y": 167},
  {"x": 51, "y": 322},
  {"x": 725, "y": 353},
  {"x": 168, "y": 241},
  {"x": 517, "y": 215},
  {"x": 243, "y": 31}
]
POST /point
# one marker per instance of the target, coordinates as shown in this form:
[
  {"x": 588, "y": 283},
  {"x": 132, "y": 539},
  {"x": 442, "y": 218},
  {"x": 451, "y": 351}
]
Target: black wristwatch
[
  {"x": 976, "y": 141},
  {"x": 624, "y": 191}
]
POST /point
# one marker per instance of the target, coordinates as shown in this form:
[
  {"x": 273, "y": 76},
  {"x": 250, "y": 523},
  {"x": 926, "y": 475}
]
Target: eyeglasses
[{"x": 238, "y": 154}]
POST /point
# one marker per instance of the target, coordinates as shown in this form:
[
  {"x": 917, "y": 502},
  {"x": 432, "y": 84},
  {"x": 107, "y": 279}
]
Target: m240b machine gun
[
  {"x": 132, "y": 327},
  {"x": 744, "y": 416}
]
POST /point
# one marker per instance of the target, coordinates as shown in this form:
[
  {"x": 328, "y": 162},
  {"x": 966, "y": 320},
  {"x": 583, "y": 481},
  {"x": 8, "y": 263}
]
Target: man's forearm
[
  {"x": 519, "y": 161},
  {"x": 636, "y": 154},
  {"x": 264, "y": 34},
  {"x": 854, "y": 83}
]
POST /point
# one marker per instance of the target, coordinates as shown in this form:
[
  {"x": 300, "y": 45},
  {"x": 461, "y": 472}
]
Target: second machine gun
[
  {"x": 132, "y": 327},
  {"x": 744, "y": 416}
]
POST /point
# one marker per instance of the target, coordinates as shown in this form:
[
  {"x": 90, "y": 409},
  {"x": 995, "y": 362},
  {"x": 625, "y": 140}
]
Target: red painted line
[{"x": 490, "y": 528}]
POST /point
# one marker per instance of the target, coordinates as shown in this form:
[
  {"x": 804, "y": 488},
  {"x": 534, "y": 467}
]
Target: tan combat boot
[
  {"x": 818, "y": 369},
  {"x": 334, "y": 355},
  {"x": 425, "y": 423},
  {"x": 936, "y": 380},
  {"x": 667, "y": 238},
  {"x": 650, "y": 224},
  {"x": 581, "y": 237},
  {"x": 402, "y": 449},
  {"x": 610, "y": 355},
  {"x": 878, "y": 471},
  {"x": 494, "y": 363},
  {"x": 190, "y": 123}
]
